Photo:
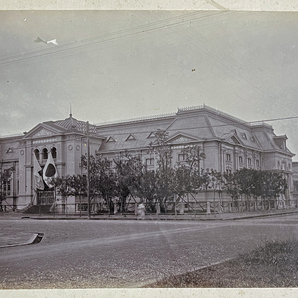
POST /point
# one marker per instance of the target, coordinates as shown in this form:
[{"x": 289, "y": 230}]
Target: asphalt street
[{"x": 127, "y": 253}]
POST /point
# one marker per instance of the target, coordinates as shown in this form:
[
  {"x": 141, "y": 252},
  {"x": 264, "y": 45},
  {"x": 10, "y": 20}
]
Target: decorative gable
[
  {"x": 43, "y": 133},
  {"x": 110, "y": 139},
  {"x": 130, "y": 138},
  {"x": 181, "y": 138},
  {"x": 151, "y": 135},
  {"x": 232, "y": 138},
  {"x": 235, "y": 140}
]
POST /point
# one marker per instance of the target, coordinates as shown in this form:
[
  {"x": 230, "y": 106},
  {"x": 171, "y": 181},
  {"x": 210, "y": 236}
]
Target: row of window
[
  {"x": 249, "y": 161},
  {"x": 45, "y": 153},
  {"x": 283, "y": 166}
]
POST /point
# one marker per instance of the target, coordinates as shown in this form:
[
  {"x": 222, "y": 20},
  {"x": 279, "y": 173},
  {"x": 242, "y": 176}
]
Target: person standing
[{"x": 141, "y": 211}]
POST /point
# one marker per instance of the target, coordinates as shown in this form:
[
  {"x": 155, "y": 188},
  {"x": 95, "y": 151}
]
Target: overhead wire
[
  {"x": 131, "y": 32},
  {"x": 146, "y": 29},
  {"x": 232, "y": 123}
]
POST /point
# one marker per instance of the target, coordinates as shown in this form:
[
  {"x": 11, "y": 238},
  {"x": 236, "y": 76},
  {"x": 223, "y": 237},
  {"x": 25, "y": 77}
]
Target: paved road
[{"x": 82, "y": 253}]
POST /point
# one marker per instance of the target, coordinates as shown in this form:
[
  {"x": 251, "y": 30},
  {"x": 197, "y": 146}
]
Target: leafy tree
[
  {"x": 102, "y": 179},
  {"x": 145, "y": 188},
  {"x": 71, "y": 185},
  {"x": 254, "y": 183},
  {"x": 128, "y": 172},
  {"x": 193, "y": 156},
  {"x": 5, "y": 177},
  {"x": 165, "y": 173}
]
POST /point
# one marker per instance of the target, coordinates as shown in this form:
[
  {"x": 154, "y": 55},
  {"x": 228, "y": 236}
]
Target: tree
[
  {"x": 193, "y": 156},
  {"x": 71, "y": 185},
  {"x": 128, "y": 172},
  {"x": 254, "y": 183},
  {"x": 146, "y": 189},
  {"x": 102, "y": 178},
  {"x": 5, "y": 178},
  {"x": 165, "y": 173}
]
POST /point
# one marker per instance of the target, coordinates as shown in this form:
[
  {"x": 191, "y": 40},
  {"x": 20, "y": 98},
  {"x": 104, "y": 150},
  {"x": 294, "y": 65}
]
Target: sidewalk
[
  {"x": 119, "y": 216},
  {"x": 12, "y": 238}
]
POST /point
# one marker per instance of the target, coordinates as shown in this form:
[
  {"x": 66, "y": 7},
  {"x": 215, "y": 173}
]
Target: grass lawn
[{"x": 273, "y": 265}]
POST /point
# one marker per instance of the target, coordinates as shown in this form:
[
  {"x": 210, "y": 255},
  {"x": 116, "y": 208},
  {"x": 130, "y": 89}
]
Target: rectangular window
[
  {"x": 249, "y": 161},
  {"x": 6, "y": 188},
  {"x": 228, "y": 157},
  {"x": 181, "y": 157},
  {"x": 240, "y": 159},
  {"x": 150, "y": 161},
  {"x": 257, "y": 163}
]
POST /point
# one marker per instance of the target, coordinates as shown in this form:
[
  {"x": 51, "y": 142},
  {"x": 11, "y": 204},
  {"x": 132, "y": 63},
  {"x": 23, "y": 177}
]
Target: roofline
[
  {"x": 11, "y": 137},
  {"x": 186, "y": 110},
  {"x": 135, "y": 120},
  {"x": 279, "y": 151}
]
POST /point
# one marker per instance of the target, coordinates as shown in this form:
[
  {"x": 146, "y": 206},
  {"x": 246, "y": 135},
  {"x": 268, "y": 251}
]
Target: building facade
[{"x": 228, "y": 144}]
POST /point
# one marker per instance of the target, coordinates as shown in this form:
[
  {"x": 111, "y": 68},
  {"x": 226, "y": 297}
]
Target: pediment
[
  {"x": 233, "y": 138},
  {"x": 41, "y": 131},
  {"x": 181, "y": 138}
]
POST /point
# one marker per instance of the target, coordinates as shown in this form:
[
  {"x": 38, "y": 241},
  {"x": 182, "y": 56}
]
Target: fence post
[
  {"x": 208, "y": 208},
  {"x": 157, "y": 208},
  {"x": 181, "y": 209},
  {"x": 175, "y": 200},
  {"x": 136, "y": 208}
]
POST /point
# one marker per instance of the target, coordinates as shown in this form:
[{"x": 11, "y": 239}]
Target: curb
[
  {"x": 211, "y": 217},
  {"x": 264, "y": 215},
  {"x": 36, "y": 238}
]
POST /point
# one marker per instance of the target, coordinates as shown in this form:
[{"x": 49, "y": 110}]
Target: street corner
[{"x": 19, "y": 238}]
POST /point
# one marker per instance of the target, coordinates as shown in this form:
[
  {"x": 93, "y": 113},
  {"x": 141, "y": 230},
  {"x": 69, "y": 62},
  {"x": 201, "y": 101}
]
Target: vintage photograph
[{"x": 148, "y": 149}]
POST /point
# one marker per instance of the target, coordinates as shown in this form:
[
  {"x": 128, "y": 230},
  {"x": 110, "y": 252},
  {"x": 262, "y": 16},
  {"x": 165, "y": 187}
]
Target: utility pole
[{"x": 88, "y": 172}]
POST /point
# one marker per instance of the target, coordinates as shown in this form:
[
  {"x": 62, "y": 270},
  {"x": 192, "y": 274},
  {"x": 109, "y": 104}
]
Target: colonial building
[{"x": 228, "y": 144}]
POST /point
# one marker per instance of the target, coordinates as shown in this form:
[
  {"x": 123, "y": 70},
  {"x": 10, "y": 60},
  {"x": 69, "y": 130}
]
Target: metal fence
[{"x": 172, "y": 207}]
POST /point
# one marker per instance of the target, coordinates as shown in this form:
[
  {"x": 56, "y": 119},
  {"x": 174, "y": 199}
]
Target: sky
[{"x": 116, "y": 65}]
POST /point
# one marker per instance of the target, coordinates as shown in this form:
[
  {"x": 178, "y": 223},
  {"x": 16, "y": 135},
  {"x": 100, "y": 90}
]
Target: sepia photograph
[{"x": 148, "y": 150}]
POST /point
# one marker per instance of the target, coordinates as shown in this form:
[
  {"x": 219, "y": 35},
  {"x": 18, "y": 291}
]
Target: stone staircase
[{"x": 36, "y": 209}]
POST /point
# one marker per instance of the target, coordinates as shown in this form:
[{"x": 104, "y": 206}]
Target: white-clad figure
[{"x": 141, "y": 211}]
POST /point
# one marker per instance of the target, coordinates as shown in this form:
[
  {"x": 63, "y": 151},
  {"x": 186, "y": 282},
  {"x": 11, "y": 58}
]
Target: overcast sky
[{"x": 114, "y": 65}]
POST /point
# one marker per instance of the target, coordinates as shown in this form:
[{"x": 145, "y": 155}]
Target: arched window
[
  {"x": 36, "y": 152},
  {"x": 45, "y": 153},
  {"x": 54, "y": 152}
]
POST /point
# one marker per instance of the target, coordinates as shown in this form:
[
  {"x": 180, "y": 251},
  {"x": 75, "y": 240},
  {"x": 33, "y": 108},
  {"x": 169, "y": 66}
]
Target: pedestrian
[
  {"x": 141, "y": 211},
  {"x": 53, "y": 207}
]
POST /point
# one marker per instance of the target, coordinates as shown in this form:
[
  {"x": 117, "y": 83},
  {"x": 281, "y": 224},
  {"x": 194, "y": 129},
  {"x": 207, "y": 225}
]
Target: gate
[{"x": 46, "y": 197}]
